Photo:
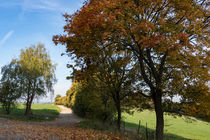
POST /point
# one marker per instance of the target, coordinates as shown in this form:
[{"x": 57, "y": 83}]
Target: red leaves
[
  {"x": 56, "y": 39},
  {"x": 59, "y": 39},
  {"x": 62, "y": 38},
  {"x": 183, "y": 37},
  {"x": 150, "y": 41}
]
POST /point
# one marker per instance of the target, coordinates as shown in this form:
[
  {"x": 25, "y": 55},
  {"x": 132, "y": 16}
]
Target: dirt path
[
  {"x": 57, "y": 129},
  {"x": 66, "y": 117},
  {"x": 63, "y": 128}
]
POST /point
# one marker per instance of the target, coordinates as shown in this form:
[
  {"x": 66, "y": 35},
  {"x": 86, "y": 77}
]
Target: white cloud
[
  {"x": 7, "y": 36},
  {"x": 27, "y": 6},
  {"x": 32, "y": 5},
  {"x": 38, "y": 5},
  {"x": 10, "y": 3}
]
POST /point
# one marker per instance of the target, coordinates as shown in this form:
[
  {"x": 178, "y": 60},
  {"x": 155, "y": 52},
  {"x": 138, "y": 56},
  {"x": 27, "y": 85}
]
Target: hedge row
[{"x": 87, "y": 102}]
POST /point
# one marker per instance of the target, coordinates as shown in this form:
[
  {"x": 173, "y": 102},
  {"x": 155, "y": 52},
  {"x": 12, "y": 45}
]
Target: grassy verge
[
  {"x": 175, "y": 127},
  {"x": 41, "y": 112},
  {"x": 110, "y": 129},
  {"x": 125, "y": 132}
]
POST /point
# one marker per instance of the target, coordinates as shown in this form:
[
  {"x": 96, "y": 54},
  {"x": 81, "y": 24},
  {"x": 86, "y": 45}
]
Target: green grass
[
  {"x": 41, "y": 112},
  {"x": 177, "y": 128},
  {"x": 105, "y": 128}
]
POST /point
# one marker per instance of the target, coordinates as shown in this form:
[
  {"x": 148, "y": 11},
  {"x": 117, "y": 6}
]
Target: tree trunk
[
  {"x": 27, "y": 107},
  {"x": 159, "y": 115},
  {"x": 8, "y": 108},
  {"x": 105, "y": 116},
  {"x": 28, "y": 111},
  {"x": 118, "y": 107},
  {"x": 118, "y": 116}
]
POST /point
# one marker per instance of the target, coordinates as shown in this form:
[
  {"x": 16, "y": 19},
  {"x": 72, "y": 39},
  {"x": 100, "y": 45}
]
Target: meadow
[
  {"x": 41, "y": 112},
  {"x": 175, "y": 127}
]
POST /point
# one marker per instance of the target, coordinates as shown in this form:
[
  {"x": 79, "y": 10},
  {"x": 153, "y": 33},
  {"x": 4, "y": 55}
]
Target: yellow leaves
[
  {"x": 105, "y": 36},
  {"x": 162, "y": 21},
  {"x": 143, "y": 27}
]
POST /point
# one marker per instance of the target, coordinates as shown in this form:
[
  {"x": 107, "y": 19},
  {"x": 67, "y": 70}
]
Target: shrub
[
  {"x": 10, "y": 89},
  {"x": 8, "y": 96},
  {"x": 60, "y": 100},
  {"x": 87, "y": 102}
]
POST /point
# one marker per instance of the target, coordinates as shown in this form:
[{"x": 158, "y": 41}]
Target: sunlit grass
[
  {"x": 180, "y": 127},
  {"x": 41, "y": 112}
]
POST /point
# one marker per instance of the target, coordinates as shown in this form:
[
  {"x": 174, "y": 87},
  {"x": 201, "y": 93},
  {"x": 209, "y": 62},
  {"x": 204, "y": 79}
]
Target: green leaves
[
  {"x": 10, "y": 87},
  {"x": 31, "y": 75}
]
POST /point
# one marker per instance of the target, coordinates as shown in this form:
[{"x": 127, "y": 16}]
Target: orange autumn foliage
[{"x": 168, "y": 40}]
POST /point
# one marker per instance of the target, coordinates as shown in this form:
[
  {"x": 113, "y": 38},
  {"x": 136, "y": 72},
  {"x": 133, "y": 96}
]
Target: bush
[
  {"x": 87, "y": 102},
  {"x": 10, "y": 89},
  {"x": 60, "y": 100},
  {"x": 8, "y": 96}
]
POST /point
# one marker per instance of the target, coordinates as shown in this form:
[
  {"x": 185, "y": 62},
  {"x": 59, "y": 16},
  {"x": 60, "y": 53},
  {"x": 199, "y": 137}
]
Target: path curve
[
  {"x": 62, "y": 127},
  {"x": 66, "y": 117}
]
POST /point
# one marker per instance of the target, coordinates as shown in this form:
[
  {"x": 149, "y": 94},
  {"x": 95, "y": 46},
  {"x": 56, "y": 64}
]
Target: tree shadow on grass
[
  {"x": 150, "y": 133},
  {"x": 38, "y": 114},
  {"x": 127, "y": 129}
]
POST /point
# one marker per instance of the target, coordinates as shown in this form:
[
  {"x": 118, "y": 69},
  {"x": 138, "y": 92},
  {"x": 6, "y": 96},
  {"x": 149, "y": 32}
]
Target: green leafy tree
[
  {"x": 60, "y": 100},
  {"x": 38, "y": 74},
  {"x": 168, "y": 39},
  {"x": 10, "y": 90},
  {"x": 86, "y": 101},
  {"x": 114, "y": 77},
  {"x": 57, "y": 98}
]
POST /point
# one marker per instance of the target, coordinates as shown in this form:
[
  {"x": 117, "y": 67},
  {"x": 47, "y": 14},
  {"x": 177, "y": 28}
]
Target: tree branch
[
  {"x": 151, "y": 64},
  {"x": 161, "y": 68}
]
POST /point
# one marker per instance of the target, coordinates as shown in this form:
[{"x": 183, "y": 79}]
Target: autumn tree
[
  {"x": 168, "y": 39},
  {"x": 10, "y": 89},
  {"x": 110, "y": 73},
  {"x": 114, "y": 77},
  {"x": 196, "y": 101},
  {"x": 38, "y": 74}
]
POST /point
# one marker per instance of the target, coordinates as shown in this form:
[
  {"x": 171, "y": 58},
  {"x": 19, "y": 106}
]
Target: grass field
[
  {"x": 41, "y": 112},
  {"x": 178, "y": 128}
]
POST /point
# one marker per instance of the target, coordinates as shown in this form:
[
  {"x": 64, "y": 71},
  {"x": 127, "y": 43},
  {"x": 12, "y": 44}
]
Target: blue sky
[{"x": 27, "y": 22}]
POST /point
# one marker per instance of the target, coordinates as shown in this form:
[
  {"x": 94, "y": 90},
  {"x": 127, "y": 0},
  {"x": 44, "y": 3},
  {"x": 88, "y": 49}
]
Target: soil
[
  {"x": 66, "y": 118},
  {"x": 21, "y": 130}
]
